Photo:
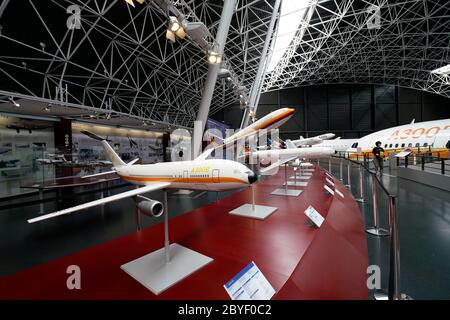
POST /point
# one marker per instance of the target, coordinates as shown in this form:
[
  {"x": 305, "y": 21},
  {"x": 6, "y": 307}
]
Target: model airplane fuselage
[
  {"x": 208, "y": 175},
  {"x": 271, "y": 121}
]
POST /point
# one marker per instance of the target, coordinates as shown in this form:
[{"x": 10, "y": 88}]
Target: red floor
[{"x": 301, "y": 262}]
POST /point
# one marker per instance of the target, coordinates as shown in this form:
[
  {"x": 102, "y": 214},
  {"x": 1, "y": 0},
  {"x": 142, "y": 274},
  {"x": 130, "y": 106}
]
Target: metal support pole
[
  {"x": 213, "y": 70},
  {"x": 376, "y": 230},
  {"x": 329, "y": 165},
  {"x": 361, "y": 185},
  {"x": 138, "y": 219},
  {"x": 3, "y": 6},
  {"x": 285, "y": 179},
  {"x": 257, "y": 84},
  {"x": 253, "y": 197},
  {"x": 349, "y": 184},
  {"x": 340, "y": 169},
  {"x": 393, "y": 292},
  {"x": 41, "y": 201},
  {"x": 166, "y": 229}
]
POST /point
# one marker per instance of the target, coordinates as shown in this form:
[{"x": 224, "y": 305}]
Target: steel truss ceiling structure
[
  {"x": 352, "y": 41},
  {"x": 120, "y": 60}
]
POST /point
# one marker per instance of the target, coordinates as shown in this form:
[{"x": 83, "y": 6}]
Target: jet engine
[{"x": 149, "y": 207}]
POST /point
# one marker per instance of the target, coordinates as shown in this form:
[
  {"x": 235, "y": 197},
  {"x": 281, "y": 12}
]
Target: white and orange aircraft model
[
  {"x": 431, "y": 136},
  {"x": 199, "y": 174},
  {"x": 270, "y": 121}
]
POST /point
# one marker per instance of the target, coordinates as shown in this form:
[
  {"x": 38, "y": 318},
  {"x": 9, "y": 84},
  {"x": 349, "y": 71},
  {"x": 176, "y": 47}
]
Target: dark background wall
[{"x": 350, "y": 111}]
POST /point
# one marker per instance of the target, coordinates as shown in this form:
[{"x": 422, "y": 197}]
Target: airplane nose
[{"x": 252, "y": 178}]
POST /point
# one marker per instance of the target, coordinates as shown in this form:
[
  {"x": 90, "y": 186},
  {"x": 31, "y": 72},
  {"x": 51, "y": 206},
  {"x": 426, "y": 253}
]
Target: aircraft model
[
  {"x": 290, "y": 154},
  {"x": 431, "y": 136},
  {"x": 271, "y": 121},
  {"x": 198, "y": 174},
  {"x": 27, "y": 125},
  {"x": 313, "y": 140}
]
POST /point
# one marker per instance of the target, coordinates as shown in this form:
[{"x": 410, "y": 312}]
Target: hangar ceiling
[
  {"x": 352, "y": 42},
  {"x": 120, "y": 60}
]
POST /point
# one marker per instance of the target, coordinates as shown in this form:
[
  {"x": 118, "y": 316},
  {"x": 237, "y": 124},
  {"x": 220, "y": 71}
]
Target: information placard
[
  {"x": 315, "y": 216},
  {"x": 249, "y": 284}
]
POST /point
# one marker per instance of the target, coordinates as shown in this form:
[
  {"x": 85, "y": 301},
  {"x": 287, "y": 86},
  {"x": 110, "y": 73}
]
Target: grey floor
[{"x": 424, "y": 232}]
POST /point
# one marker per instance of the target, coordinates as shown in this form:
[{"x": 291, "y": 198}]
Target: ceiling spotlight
[
  {"x": 144, "y": 123},
  {"x": 214, "y": 57},
  {"x": 47, "y": 108},
  {"x": 174, "y": 24},
  {"x": 175, "y": 29},
  {"x": 17, "y": 105}
]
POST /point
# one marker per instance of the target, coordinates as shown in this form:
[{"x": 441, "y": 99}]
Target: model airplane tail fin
[
  {"x": 113, "y": 156},
  {"x": 290, "y": 144}
]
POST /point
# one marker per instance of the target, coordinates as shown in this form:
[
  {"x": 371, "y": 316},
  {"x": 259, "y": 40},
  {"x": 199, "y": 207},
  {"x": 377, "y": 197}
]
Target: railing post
[
  {"x": 329, "y": 165},
  {"x": 406, "y": 161},
  {"x": 361, "y": 185},
  {"x": 423, "y": 163},
  {"x": 340, "y": 169},
  {"x": 394, "y": 263},
  {"x": 442, "y": 166},
  {"x": 376, "y": 230},
  {"x": 349, "y": 164}
]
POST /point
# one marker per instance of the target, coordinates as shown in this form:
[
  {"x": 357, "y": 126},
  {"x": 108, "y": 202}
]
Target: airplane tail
[{"x": 113, "y": 156}]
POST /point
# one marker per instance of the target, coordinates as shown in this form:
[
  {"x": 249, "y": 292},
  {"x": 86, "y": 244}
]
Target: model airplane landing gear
[{"x": 163, "y": 268}]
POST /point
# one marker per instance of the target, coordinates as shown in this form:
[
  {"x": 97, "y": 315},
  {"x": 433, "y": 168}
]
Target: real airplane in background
[{"x": 433, "y": 136}]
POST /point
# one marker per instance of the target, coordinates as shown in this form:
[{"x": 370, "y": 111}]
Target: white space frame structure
[{"x": 119, "y": 61}]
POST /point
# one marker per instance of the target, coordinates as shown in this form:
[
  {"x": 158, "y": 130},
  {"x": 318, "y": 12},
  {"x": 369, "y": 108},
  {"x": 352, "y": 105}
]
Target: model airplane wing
[
  {"x": 123, "y": 195},
  {"x": 276, "y": 165},
  {"x": 99, "y": 174}
]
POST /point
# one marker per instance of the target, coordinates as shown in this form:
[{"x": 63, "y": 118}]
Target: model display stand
[
  {"x": 285, "y": 191},
  {"x": 163, "y": 268},
  {"x": 252, "y": 210}
]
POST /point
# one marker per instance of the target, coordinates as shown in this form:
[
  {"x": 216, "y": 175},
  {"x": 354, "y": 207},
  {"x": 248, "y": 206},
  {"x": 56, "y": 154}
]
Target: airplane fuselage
[
  {"x": 431, "y": 136},
  {"x": 268, "y": 122},
  {"x": 211, "y": 175}
]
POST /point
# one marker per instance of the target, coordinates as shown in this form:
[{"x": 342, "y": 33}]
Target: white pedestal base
[
  {"x": 309, "y": 170},
  {"x": 307, "y": 174},
  {"x": 297, "y": 183},
  {"x": 153, "y": 273},
  {"x": 300, "y": 177},
  {"x": 260, "y": 212},
  {"x": 284, "y": 192}
]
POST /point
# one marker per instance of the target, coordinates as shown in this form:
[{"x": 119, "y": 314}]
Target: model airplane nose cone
[{"x": 252, "y": 178}]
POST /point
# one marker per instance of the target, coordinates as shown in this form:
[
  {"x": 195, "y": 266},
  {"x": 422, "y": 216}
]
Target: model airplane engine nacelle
[{"x": 149, "y": 207}]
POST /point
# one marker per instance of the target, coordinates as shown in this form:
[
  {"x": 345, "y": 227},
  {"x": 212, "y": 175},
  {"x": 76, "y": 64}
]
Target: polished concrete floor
[
  {"x": 424, "y": 232},
  {"x": 24, "y": 245}
]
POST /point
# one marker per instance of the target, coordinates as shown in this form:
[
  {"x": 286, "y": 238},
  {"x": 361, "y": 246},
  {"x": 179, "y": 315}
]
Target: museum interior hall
[{"x": 224, "y": 150}]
